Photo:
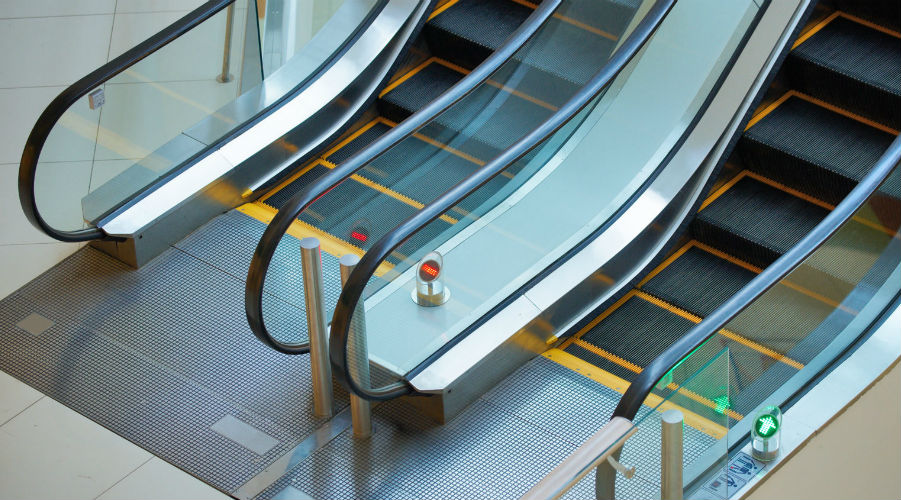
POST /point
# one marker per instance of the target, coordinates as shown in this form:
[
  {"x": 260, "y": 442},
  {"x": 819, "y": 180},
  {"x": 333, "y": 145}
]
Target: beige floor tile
[
  {"x": 15, "y": 397},
  {"x": 23, "y": 263},
  {"x": 66, "y": 49},
  {"x": 43, "y": 8},
  {"x": 157, "y": 480},
  {"x": 49, "y": 451}
]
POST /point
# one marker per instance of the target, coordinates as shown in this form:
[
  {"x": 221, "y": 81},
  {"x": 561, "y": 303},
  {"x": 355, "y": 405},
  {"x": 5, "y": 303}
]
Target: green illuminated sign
[{"x": 766, "y": 425}]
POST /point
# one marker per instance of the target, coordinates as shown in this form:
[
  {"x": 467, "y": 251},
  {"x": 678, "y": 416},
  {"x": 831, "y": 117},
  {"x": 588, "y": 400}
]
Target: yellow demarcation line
[
  {"x": 794, "y": 192},
  {"x": 464, "y": 71},
  {"x": 822, "y": 24},
  {"x": 574, "y": 22},
  {"x": 815, "y": 29},
  {"x": 684, "y": 314},
  {"x": 726, "y": 333},
  {"x": 637, "y": 369},
  {"x": 442, "y": 8},
  {"x": 330, "y": 244},
  {"x": 619, "y": 385}
]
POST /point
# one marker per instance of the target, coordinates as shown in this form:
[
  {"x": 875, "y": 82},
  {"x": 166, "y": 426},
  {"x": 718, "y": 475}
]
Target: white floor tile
[
  {"x": 58, "y": 190},
  {"x": 164, "y": 110},
  {"x": 105, "y": 170},
  {"x": 46, "y": 8},
  {"x": 156, "y": 5},
  {"x": 52, "y": 50},
  {"x": 50, "y": 451},
  {"x": 14, "y": 227},
  {"x": 71, "y": 139},
  {"x": 23, "y": 263},
  {"x": 15, "y": 397},
  {"x": 196, "y": 55},
  {"x": 157, "y": 480}
]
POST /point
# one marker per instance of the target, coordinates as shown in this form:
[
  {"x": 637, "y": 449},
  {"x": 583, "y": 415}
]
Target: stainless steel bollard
[
  {"x": 358, "y": 352},
  {"x": 224, "y": 77},
  {"x": 311, "y": 267},
  {"x": 671, "y": 455}
]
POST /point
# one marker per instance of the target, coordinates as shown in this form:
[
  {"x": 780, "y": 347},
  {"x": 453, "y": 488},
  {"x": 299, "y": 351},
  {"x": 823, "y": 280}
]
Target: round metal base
[
  {"x": 225, "y": 79},
  {"x": 431, "y": 301}
]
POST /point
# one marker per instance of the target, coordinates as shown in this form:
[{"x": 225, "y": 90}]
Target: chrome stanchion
[
  {"x": 671, "y": 455},
  {"x": 224, "y": 77},
  {"x": 360, "y": 409},
  {"x": 321, "y": 370}
]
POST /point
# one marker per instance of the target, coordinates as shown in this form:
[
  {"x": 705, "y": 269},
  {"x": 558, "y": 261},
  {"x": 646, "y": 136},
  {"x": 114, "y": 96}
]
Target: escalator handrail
[
  {"x": 68, "y": 97},
  {"x": 365, "y": 269},
  {"x": 288, "y": 213},
  {"x": 644, "y": 383}
]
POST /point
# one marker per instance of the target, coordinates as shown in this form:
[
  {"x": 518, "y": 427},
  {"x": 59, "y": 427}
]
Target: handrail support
[
  {"x": 360, "y": 409},
  {"x": 320, "y": 369},
  {"x": 224, "y": 76}
]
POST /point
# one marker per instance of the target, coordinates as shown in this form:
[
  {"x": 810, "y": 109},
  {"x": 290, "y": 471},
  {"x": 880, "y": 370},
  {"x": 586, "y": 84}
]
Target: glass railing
[
  {"x": 808, "y": 308},
  {"x": 149, "y": 112},
  {"x": 534, "y": 202}
]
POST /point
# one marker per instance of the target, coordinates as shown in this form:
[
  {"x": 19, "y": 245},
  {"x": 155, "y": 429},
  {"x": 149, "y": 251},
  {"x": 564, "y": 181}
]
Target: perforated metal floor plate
[
  {"x": 163, "y": 357},
  {"x": 161, "y": 354}
]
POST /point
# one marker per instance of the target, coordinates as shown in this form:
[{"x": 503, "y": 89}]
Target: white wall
[{"x": 856, "y": 456}]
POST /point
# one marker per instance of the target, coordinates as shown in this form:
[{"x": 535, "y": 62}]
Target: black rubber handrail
[
  {"x": 645, "y": 382},
  {"x": 58, "y": 106},
  {"x": 365, "y": 269},
  {"x": 288, "y": 213}
]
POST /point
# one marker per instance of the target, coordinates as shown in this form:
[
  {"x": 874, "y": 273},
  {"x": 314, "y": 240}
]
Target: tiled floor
[{"x": 46, "y": 449}]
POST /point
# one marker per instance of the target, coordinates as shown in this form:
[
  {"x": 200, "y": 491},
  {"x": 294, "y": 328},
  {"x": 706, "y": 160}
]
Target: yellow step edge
[
  {"x": 619, "y": 385},
  {"x": 330, "y": 244},
  {"x": 574, "y": 22},
  {"x": 726, "y": 333}
]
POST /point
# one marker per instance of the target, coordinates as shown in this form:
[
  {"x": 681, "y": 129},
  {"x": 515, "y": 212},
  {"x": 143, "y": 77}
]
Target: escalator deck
[{"x": 798, "y": 157}]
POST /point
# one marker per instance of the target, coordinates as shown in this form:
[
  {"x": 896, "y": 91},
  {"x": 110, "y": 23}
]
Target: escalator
[
  {"x": 831, "y": 112},
  {"x": 459, "y": 36}
]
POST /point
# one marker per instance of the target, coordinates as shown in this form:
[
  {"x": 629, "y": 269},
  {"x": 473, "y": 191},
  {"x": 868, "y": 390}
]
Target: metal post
[
  {"x": 671, "y": 455},
  {"x": 311, "y": 267},
  {"x": 224, "y": 77},
  {"x": 360, "y": 409}
]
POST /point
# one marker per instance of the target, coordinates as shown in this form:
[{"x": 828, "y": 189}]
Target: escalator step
[
  {"x": 812, "y": 149},
  {"x": 882, "y": 12},
  {"x": 468, "y": 32},
  {"x": 609, "y": 16},
  {"x": 756, "y": 222},
  {"x": 637, "y": 331},
  {"x": 853, "y": 67},
  {"x": 338, "y": 212},
  {"x": 713, "y": 280},
  {"x": 555, "y": 64},
  {"x": 359, "y": 142},
  {"x": 482, "y": 125},
  {"x": 418, "y": 90}
]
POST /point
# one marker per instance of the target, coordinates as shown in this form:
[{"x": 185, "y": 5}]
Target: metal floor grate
[{"x": 163, "y": 357}]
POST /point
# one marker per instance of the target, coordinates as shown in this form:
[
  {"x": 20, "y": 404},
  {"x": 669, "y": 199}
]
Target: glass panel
[
  {"x": 147, "y": 121},
  {"x": 701, "y": 394},
  {"x": 310, "y": 29},
  {"x": 119, "y": 138},
  {"x": 513, "y": 227},
  {"x": 822, "y": 307}
]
